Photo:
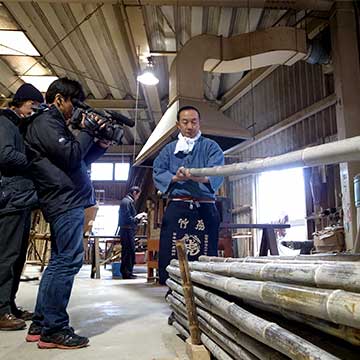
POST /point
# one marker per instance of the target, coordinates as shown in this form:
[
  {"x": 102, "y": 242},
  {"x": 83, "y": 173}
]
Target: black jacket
[
  {"x": 59, "y": 163},
  {"x": 127, "y": 212},
  {"x": 17, "y": 191}
]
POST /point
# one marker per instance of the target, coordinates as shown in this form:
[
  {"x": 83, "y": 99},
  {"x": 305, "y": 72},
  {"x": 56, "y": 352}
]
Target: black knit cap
[{"x": 28, "y": 92}]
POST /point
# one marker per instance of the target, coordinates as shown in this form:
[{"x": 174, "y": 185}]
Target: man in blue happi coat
[{"x": 191, "y": 213}]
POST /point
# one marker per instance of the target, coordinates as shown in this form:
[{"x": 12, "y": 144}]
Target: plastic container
[
  {"x": 140, "y": 258},
  {"x": 115, "y": 267},
  {"x": 357, "y": 190}
]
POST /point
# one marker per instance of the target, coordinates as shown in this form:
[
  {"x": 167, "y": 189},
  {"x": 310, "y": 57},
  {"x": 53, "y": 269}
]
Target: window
[
  {"x": 282, "y": 194},
  {"x": 122, "y": 171},
  {"x": 110, "y": 171},
  {"x": 102, "y": 171},
  {"x": 106, "y": 220},
  {"x": 16, "y": 43},
  {"x": 41, "y": 82}
]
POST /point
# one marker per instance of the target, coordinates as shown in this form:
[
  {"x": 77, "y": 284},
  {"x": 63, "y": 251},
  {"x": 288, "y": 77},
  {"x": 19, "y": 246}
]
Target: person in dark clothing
[
  {"x": 17, "y": 196},
  {"x": 127, "y": 224},
  {"x": 59, "y": 163}
]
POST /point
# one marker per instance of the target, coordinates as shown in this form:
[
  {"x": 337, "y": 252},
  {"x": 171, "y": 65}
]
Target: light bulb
[{"x": 148, "y": 78}]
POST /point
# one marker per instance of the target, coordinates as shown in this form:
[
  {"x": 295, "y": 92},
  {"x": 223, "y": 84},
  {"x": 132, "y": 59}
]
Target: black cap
[{"x": 28, "y": 92}]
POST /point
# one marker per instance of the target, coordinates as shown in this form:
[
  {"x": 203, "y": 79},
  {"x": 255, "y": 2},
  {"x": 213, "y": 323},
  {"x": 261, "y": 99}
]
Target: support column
[{"x": 347, "y": 88}]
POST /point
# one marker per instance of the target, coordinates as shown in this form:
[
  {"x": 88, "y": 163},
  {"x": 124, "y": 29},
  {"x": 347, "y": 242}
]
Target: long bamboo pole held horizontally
[{"x": 330, "y": 153}]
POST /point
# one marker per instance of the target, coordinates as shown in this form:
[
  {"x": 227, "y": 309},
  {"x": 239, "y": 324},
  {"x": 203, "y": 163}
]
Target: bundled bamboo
[
  {"x": 346, "y": 333},
  {"x": 244, "y": 341},
  {"x": 228, "y": 345},
  {"x": 342, "y": 275},
  {"x": 235, "y": 351},
  {"x": 299, "y": 259},
  {"x": 182, "y": 325},
  {"x": 180, "y": 329},
  {"x": 337, "y": 306},
  {"x": 216, "y": 350},
  {"x": 268, "y": 333}
]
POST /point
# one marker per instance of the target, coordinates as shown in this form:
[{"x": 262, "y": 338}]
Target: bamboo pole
[
  {"x": 349, "y": 334},
  {"x": 228, "y": 345},
  {"x": 243, "y": 341},
  {"x": 188, "y": 293},
  {"x": 181, "y": 329},
  {"x": 220, "y": 340},
  {"x": 232, "y": 348},
  {"x": 330, "y": 153},
  {"x": 215, "y": 349},
  {"x": 300, "y": 259},
  {"x": 266, "y": 332},
  {"x": 342, "y": 275},
  {"x": 255, "y": 347},
  {"x": 338, "y": 306}
]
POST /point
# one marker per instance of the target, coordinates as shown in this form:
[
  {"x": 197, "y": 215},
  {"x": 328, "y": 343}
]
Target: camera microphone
[
  {"x": 121, "y": 118},
  {"x": 113, "y": 114}
]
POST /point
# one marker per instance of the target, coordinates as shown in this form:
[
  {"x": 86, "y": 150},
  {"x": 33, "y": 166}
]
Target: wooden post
[
  {"x": 194, "y": 349},
  {"x": 95, "y": 259},
  {"x": 188, "y": 293}
]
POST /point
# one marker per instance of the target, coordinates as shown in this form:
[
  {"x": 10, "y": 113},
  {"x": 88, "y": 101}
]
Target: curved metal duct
[
  {"x": 277, "y": 45},
  {"x": 317, "y": 53}
]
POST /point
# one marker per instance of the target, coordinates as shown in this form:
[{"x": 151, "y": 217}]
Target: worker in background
[
  {"x": 59, "y": 162},
  {"x": 127, "y": 224},
  {"x": 17, "y": 197},
  {"x": 191, "y": 213}
]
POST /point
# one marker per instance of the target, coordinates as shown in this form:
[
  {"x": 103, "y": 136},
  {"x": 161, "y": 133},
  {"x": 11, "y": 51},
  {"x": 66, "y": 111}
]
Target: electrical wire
[
  {"x": 252, "y": 125},
  {"x": 86, "y": 18},
  {"x": 136, "y": 118},
  {"x": 60, "y": 67}
]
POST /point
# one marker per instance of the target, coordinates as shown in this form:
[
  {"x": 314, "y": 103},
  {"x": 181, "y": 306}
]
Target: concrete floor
[{"x": 124, "y": 319}]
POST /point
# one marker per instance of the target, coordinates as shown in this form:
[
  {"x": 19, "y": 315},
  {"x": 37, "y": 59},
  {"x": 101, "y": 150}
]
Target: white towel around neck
[{"x": 186, "y": 144}]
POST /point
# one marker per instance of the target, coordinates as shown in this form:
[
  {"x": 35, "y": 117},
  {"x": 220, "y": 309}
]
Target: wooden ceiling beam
[{"x": 112, "y": 104}]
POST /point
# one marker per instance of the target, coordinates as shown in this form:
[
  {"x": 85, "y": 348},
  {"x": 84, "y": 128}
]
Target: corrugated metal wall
[{"x": 286, "y": 91}]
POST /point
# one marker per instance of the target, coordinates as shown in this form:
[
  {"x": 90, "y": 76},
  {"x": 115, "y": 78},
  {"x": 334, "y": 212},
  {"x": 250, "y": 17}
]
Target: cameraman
[
  {"x": 17, "y": 196},
  {"x": 59, "y": 163}
]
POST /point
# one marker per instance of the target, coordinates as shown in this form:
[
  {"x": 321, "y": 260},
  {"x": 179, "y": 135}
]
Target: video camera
[{"x": 114, "y": 122}]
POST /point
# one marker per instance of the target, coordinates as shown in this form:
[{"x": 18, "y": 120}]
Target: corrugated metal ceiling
[{"x": 100, "y": 44}]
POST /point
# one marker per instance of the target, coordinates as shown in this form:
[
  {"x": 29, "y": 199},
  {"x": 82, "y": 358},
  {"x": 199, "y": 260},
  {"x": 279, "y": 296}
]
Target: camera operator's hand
[
  {"x": 97, "y": 121},
  {"x": 82, "y": 124}
]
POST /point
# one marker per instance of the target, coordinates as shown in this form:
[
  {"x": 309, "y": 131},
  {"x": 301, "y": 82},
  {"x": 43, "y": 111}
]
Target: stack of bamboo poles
[{"x": 273, "y": 308}]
